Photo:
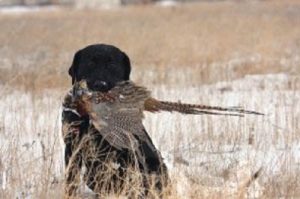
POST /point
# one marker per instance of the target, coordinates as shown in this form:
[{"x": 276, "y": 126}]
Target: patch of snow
[
  {"x": 166, "y": 3},
  {"x": 26, "y": 9}
]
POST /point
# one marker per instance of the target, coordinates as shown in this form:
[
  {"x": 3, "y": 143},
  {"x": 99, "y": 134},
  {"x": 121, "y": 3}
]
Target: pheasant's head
[
  {"x": 82, "y": 96},
  {"x": 81, "y": 91}
]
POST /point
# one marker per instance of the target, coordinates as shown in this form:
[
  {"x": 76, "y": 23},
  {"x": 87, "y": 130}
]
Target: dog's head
[{"x": 102, "y": 66}]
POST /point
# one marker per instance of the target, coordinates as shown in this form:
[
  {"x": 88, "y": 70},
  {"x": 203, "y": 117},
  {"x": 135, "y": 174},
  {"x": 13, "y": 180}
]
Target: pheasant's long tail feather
[{"x": 154, "y": 105}]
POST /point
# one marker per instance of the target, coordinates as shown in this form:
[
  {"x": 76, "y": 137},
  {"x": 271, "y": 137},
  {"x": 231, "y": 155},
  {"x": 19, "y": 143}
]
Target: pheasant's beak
[
  {"x": 83, "y": 84},
  {"x": 80, "y": 90}
]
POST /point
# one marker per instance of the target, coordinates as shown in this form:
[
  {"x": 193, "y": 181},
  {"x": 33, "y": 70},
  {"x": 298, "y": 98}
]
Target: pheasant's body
[{"x": 118, "y": 114}]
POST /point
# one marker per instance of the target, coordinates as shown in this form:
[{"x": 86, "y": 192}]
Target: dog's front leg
[
  {"x": 73, "y": 127},
  {"x": 73, "y": 162}
]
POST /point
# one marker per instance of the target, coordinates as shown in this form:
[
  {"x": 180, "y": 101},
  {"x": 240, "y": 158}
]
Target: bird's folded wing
[
  {"x": 122, "y": 130},
  {"x": 119, "y": 138}
]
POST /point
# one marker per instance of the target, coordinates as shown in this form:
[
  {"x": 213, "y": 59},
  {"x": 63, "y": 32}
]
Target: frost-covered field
[
  {"x": 211, "y": 156},
  {"x": 224, "y": 53}
]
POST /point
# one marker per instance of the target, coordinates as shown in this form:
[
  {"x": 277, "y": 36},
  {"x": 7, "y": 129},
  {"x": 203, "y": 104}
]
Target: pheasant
[{"x": 118, "y": 113}]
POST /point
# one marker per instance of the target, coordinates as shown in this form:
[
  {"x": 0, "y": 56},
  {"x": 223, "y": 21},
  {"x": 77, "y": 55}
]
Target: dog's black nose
[{"x": 101, "y": 86}]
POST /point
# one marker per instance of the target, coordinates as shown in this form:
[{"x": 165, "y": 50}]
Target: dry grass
[
  {"x": 196, "y": 52},
  {"x": 233, "y": 38}
]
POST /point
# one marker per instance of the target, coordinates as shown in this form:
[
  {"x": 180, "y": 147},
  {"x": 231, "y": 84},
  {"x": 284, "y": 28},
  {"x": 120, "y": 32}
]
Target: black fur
[
  {"x": 102, "y": 66},
  {"x": 100, "y": 63}
]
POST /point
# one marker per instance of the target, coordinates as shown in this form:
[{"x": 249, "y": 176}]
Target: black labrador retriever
[{"x": 107, "y": 170}]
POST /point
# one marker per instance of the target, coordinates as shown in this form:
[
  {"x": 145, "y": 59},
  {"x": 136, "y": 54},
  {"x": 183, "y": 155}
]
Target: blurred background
[
  {"x": 227, "y": 53},
  {"x": 235, "y": 38}
]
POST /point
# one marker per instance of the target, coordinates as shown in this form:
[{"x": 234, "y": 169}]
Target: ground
[{"x": 217, "y": 53}]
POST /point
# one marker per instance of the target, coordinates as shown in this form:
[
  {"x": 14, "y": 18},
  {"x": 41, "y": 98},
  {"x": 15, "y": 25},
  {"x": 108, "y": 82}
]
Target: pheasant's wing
[
  {"x": 129, "y": 120},
  {"x": 154, "y": 105},
  {"x": 122, "y": 129},
  {"x": 125, "y": 130},
  {"x": 119, "y": 138}
]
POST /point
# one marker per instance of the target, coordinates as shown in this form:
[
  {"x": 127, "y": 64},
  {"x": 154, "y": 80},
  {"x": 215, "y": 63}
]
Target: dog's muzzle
[{"x": 102, "y": 86}]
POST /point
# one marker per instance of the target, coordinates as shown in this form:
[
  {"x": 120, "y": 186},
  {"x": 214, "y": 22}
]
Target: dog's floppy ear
[
  {"x": 127, "y": 66},
  {"x": 74, "y": 66}
]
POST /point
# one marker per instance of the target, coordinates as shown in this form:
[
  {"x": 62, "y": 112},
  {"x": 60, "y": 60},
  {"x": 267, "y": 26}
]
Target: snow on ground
[
  {"x": 26, "y": 9},
  {"x": 215, "y": 152},
  {"x": 30, "y": 141},
  {"x": 224, "y": 151},
  {"x": 166, "y": 3}
]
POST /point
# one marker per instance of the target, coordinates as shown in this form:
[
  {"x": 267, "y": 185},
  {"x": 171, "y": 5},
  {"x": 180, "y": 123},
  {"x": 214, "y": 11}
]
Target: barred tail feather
[{"x": 154, "y": 105}]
